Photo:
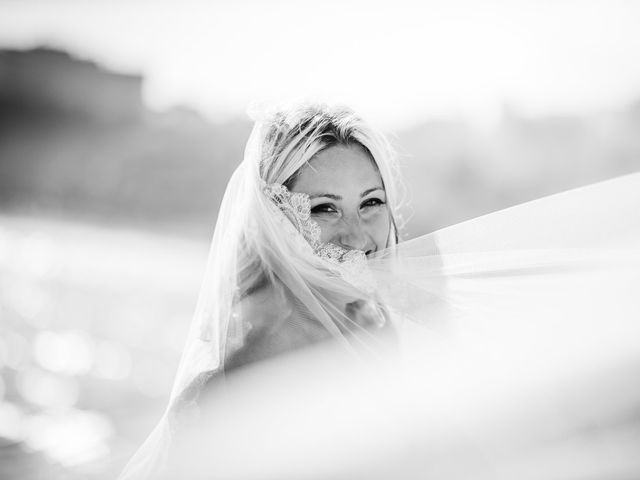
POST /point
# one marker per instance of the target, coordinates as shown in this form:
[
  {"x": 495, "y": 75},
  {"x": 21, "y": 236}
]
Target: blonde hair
[{"x": 293, "y": 135}]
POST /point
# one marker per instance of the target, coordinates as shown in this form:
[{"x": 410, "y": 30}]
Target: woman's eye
[
  {"x": 323, "y": 208},
  {"x": 372, "y": 202}
]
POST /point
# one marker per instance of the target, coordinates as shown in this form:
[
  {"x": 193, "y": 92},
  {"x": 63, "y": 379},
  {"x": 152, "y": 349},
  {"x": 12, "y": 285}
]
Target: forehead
[{"x": 340, "y": 169}]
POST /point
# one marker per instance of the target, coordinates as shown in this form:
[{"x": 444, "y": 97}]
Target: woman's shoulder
[
  {"x": 264, "y": 309},
  {"x": 273, "y": 324}
]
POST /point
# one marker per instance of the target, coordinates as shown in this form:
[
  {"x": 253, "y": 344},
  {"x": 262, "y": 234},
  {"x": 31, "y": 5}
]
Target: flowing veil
[{"x": 552, "y": 286}]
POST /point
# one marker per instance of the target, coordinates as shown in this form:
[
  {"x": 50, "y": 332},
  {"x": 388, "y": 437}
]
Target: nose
[{"x": 352, "y": 235}]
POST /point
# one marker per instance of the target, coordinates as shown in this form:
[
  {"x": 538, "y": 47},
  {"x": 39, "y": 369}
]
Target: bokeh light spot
[
  {"x": 45, "y": 389},
  {"x": 71, "y": 437},
  {"x": 69, "y": 353}
]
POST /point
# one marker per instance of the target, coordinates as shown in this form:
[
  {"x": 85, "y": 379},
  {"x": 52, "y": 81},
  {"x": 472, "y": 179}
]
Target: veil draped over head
[
  {"x": 270, "y": 285},
  {"x": 565, "y": 268}
]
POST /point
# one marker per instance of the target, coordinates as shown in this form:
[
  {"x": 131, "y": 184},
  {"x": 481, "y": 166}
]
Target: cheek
[
  {"x": 328, "y": 230},
  {"x": 380, "y": 228}
]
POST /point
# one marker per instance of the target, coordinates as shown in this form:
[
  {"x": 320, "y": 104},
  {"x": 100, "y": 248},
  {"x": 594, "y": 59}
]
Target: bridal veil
[{"x": 552, "y": 285}]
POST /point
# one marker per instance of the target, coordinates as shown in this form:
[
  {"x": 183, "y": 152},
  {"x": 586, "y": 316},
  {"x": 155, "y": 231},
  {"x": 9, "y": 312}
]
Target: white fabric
[{"x": 556, "y": 275}]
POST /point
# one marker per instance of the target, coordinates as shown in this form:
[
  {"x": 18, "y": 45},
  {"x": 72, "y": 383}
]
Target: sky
[{"x": 395, "y": 62}]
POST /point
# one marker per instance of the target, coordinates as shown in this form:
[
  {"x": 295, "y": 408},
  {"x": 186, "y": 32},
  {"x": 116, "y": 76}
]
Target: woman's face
[{"x": 348, "y": 200}]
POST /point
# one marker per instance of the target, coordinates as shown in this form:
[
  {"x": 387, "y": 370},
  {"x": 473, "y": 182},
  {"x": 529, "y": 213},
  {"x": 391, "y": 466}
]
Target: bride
[{"x": 306, "y": 253}]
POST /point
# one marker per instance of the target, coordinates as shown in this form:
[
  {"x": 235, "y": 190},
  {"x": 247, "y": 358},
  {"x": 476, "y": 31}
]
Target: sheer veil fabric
[{"x": 561, "y": 273}]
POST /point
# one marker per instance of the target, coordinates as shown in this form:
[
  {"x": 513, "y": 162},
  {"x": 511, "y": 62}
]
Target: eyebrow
[{"x": 338, "y": 197}]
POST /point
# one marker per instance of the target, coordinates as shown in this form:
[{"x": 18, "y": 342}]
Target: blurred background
[{"x": 121, "y": 122}]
